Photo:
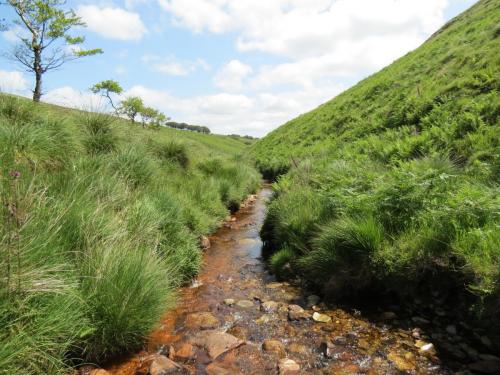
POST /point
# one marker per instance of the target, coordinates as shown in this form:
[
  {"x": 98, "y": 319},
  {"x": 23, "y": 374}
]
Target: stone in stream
[
  {"x": 295, "y": 312},
  {"x": 266, "y": 318},
  {"x": 269, "y": 307},
  {"x": 161, "y": 365},
  {"x": 229, "y": 302},
  {"x": 205, "y": 243},
  {"x": 246, "y": 304},
  {"x": 288, "y": 366},
  {"x": 327, "y": 348},
  {"x": 185, "y": 352},
  {"x": 202, "y": 320},
  {"x": 216, "y": 343},
  {"x": 402, "y": 363},
  {"x": 274, "y": 347},
  {"x": 297, "y": 348},
  {"x": 321, "y": 318}
]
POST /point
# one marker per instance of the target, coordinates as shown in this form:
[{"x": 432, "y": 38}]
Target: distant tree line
[{"x": 184, "y": 126}]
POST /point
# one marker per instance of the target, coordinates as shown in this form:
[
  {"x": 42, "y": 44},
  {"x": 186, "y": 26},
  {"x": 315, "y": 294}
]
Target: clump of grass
[
  {"x": 280, "y": 262},
  {"x": 172, "y": 151},
  {"x": 98, "y": 128},
  {"x": 134, "y": 166}
]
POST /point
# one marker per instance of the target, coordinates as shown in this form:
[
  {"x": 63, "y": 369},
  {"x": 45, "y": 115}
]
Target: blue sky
[{"x": 236, "y": 66}]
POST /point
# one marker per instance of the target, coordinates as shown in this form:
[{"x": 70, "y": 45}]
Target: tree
[
  {"x": 131, "y": 107},
  {"x": 148, "y": 115},
  {"x": 106, "y": 89},
  {"x": 49, "y": 44}
]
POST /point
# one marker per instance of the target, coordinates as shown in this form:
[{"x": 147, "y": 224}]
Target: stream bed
[{"x": 237, "y": 319}]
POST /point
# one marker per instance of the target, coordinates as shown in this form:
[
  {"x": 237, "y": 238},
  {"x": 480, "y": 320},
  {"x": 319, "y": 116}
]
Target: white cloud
[
  {"x": 13, "y": 82},
  {"x": 173, "y": 66},
  {"x": 113, "y": 23},
  {"x": 69, "y": 97},
  {"x": 231, "y": 76}
]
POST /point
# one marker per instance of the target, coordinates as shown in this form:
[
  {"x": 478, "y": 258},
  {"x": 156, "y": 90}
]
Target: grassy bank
[
  {"x": 392, "y": 186},
  {"x": 100, "y": 223}
]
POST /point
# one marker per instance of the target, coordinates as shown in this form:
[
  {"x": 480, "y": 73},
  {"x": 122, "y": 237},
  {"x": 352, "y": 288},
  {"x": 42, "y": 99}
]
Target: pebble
[
  {"x": 245, "y": 304},
  {"x": 322, "y": 318},
  {"x": 203, "y": 320},
  {"x": 274, "y": 347},
  {"x": 229, "y": 302},
  {"x": 295, "y": 312},
  {"x": 288, "y": 367},
  {"x": 161, "y": 365},
  {"x": 269, "y": 306}
]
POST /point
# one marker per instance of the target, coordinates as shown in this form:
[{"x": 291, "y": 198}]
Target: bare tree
[{"x": 49, "y": 44}]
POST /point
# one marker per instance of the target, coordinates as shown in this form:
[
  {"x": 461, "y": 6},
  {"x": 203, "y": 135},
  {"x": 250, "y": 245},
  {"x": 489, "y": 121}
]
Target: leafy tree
[
  {"x": 131, "y": 107},
  {"x": 49, "y": 44},
  {"x": 148, "y": 115},
  {"x": 106, "y": 89}
]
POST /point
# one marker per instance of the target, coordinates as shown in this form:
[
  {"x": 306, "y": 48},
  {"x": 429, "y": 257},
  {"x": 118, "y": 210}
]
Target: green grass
[
  {"x": 100, "y": 222},
  {"x": 397, "y": 179}
]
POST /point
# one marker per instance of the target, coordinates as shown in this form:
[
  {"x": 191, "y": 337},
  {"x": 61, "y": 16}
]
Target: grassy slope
[
  {"x": 100, "y": 221},
  {"x": 458, "y": 64},
  {"x": 393, "y": 185}
]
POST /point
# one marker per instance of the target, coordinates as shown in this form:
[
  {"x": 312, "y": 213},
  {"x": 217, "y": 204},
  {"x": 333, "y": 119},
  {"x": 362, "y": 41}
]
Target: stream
[{"x": 237, "y": 319}]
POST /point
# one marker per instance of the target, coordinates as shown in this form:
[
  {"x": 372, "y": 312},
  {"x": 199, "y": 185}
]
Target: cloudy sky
[{"x": 236, "y": 66}]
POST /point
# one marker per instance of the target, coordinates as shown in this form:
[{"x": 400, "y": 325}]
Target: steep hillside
[
  {"x": 444, "y": 94},
  {"x": 100, "y": 222},
  {"x": 392, "y": 187}
]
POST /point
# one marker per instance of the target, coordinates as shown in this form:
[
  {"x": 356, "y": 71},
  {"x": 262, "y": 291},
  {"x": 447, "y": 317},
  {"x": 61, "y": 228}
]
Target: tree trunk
[
  {"x": 37, "y": 68},
  {"x": 37, "y": 92}
]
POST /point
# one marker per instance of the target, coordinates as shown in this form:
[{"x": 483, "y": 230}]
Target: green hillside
[
  {"x": 393, "y": 185},
  {"x": 100, "y": 222}
]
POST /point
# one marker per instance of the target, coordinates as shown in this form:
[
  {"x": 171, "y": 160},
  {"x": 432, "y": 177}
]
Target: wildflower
[{"x": 15, "y": 174}]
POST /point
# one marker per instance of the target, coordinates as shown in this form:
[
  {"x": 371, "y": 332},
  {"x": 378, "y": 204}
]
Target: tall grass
[{"x": 94, "y": 243}]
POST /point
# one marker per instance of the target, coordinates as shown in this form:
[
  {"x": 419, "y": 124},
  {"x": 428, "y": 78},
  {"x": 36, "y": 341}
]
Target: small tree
[
  {"x": 106, "y": 89},
  {"x": 131, "y": 107},
  {"x": 148, "y": 115},
  {"x": 49, "y": 45}
]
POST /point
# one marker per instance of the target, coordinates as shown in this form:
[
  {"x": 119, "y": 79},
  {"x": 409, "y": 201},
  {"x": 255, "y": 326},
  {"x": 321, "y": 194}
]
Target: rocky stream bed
[{"x": 237, "y": 319}]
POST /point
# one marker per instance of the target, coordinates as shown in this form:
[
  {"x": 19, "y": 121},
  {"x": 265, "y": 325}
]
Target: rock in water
[
  {"x": 245, "y": 304},
  {"x": 269, "y": 307},
  {"x": 216, "y": 343},
  {"x": 274, "y": 347},
  {"x": 161, "y": 365},
  {"x": 288, "y": 367},
  {"x": 295, "y": 312},
  {"x": 203, "y": 320},
  {"x": 322, "y": 318},
  {"x": 205, "y": 242}
]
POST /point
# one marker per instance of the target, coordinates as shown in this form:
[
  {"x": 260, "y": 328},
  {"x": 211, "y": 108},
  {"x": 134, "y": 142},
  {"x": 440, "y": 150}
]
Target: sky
[{"x": 236, "y": 66}]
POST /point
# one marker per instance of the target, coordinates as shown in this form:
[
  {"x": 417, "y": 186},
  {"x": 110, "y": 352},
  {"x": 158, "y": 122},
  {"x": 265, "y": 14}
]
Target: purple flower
[{"x": 15, "y": 174}]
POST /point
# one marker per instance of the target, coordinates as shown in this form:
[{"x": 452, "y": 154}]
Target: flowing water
[{"x": 236, "y": 319}]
